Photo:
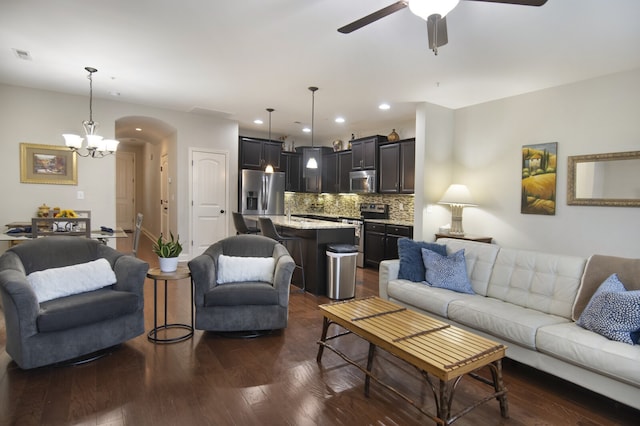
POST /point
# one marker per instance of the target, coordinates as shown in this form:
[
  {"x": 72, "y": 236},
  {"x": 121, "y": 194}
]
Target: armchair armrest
[
  {"x": 130, "y": 274},
  {"x": 203, "y": 273},
  {"x": 388, "y": 272},
  {"x": 285, "y": 266},
  {"x": 19, "y": 303}
]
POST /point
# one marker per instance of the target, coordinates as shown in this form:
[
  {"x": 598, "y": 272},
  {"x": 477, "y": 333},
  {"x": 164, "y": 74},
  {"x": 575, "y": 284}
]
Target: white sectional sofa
[{"x": 530, "y": 302}]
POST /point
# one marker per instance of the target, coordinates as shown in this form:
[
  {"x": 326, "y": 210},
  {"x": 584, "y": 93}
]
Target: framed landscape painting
[
  {"x": 51, "y": 164},
  {"x": 539, "y": 164}
]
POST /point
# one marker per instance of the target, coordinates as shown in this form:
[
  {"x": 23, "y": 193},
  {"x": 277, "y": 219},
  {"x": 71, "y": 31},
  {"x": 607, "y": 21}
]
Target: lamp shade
[
  {"x": 457, "y": 194},
  {"x": 426, "y": 8}
]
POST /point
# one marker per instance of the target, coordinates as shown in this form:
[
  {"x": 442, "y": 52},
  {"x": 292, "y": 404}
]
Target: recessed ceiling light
[
  {"x": 306, "y": 129},
  {"x": 138, "y": 129},
  {"x": 339, "y": 120},
  {"x": 384, "y": 106},
  {"x": 257, "y": 121}
]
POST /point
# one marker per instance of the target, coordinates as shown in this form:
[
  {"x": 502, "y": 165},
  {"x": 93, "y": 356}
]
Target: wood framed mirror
[{"x": 611, "y": 179}]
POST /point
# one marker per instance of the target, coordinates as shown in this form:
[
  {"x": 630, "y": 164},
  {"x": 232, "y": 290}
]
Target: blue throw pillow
[
  {"x": 613, "y": 312},
  {"x": 448, "y": 272},
  {"x": 411, "y": 264}
]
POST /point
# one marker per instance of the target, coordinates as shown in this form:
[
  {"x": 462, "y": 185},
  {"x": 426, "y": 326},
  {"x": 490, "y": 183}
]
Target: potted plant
[{"x": 168, "y": 252}]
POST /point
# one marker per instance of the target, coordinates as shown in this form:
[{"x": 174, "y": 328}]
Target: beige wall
[
  {"x": 36, "y": 116},
  {"x": 593, "y": 116}
]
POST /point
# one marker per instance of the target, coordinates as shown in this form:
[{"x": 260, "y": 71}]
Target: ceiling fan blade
[
  {"x": 437, "y": 32},
  {"x": 520, "y": 2},
  {"x": 385, "y": 11}
]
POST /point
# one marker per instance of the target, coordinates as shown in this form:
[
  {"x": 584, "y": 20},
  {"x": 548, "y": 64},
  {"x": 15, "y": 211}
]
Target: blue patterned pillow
[
  {"x": 411, "y": 265},
  {"x": 448, "y": 272},
  {"x": 613, "y": 312}
]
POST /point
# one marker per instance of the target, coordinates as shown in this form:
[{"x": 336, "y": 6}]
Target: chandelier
[{"x": 97, "y": 146}]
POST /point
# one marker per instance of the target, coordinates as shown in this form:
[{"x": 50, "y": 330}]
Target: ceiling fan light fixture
[{"x": 426, "y": 8}]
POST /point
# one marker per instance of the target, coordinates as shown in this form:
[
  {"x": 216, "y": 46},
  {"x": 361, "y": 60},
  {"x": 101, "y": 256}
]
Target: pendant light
[
  {"x": 269, "y": 167},
  {"x": 312, "y": 163},
  {"x": 97, "y": 147}
]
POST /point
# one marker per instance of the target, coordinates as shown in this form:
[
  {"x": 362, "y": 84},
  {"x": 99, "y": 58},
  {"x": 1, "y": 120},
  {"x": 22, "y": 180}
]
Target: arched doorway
[{"x": 145, "y": 142}]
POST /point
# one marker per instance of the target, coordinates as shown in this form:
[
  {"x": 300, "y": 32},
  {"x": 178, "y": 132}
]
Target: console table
[{"x": 466, "y": 237}]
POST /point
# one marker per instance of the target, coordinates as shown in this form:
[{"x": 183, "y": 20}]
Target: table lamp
[{"x": 457, "y": 196}]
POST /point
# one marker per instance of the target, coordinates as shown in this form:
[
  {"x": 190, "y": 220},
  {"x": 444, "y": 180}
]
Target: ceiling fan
[{"x": 432, "y": 11}]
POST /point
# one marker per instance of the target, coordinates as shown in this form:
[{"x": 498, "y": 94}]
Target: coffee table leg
[
  {"x": 498, "y": 385},
  {"x": 367, "y": 380},
  {"x": 323, "y": 338}
]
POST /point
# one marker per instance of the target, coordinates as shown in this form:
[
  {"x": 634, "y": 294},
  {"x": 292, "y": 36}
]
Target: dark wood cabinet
[
  {"x": 408, "y": 166},
  {"x": 256, "y": 153},
  {"x": 374, "y": 242},
  {"x": 389, "y": 169},
  {"x": 381, "y": 241},
  {"x": 312, "y": 178},
  {"x": 397, "y": 167},
  {"x": 330, "y": 173},
  {"x": 291, "y": 165},
  {"x": 344, "y": 168},
  {"x": 393, "y": 234},
  {"x": 365, "y": 152}
]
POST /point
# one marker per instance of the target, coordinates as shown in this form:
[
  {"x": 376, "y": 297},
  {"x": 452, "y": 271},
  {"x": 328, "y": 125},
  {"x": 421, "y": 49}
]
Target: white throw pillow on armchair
[{"x": 241, "y": 269}]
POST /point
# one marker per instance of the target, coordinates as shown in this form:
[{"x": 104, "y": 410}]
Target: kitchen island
[{"x": 315, "y": 234}]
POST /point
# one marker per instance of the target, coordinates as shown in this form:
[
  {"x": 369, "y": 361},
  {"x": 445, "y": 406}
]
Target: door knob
[{"x": 221, "y": 211}]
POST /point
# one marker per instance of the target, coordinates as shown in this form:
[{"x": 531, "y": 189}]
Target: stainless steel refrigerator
[{"x": 262, "y": 193}]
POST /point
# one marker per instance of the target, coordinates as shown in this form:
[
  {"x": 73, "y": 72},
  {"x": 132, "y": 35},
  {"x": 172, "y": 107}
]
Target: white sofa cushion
[
  {"x": 505, "y": 320},
  {"x": 429, "y": 299},
  {"x": 545, "y": 282},
  {"x": 479, "y": 258},
  {"x": 590, "y": 350}
]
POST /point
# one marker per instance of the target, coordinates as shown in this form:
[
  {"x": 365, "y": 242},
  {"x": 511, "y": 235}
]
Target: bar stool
[
  {"x": 241, "y": 225},
  {"x": 269, "y": 230}
]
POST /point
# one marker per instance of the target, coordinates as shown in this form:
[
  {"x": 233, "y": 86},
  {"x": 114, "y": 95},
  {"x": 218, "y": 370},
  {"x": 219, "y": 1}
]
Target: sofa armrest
[
  {"x": 388, "y": 272},
  {"x": 203, "y": 273}
]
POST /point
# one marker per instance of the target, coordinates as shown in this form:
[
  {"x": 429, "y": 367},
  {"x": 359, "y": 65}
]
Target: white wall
[
  {"x": 36, "y": 116},
  {"x": 590, "y": 117}
]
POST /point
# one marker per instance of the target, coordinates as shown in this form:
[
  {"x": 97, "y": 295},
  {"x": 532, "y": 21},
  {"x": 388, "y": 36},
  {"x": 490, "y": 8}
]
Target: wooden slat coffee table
[{"x": 434, "y": 347}]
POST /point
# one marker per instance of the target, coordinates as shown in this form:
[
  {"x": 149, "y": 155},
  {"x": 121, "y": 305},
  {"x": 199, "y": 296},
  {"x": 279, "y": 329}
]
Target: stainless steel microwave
[{"x": 363, "y": 181}]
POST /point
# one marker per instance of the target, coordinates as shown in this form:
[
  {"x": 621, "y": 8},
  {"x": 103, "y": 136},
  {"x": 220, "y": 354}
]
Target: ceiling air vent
[{"x": 22, "y": 54}]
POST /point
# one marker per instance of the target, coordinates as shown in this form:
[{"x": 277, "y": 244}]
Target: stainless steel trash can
[{"x": 341, "y": 271}]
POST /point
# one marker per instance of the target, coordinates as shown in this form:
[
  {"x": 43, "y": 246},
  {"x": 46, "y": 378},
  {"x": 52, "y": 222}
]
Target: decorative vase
[
  {"x": 393, "y": 136},
  {"x": 168, "y": 264}
]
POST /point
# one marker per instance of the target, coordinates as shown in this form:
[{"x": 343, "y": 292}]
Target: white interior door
[
  {"x": 164, "y": 195},
  {"x": 125, "y": 189},
  {"x": 209, "y": 199}
]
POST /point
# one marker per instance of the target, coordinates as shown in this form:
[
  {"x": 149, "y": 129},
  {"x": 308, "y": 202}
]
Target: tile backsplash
[{"x": 400, "y": 206}]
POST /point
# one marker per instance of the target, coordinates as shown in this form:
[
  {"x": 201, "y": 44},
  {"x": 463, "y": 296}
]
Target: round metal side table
[{"x": 157, "y": 275}]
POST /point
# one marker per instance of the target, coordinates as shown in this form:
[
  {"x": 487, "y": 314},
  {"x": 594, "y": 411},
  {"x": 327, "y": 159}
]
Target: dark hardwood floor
[{"x": 270, "y": 380}]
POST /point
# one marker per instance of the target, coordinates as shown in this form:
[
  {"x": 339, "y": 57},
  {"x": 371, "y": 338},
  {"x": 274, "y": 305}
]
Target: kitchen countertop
[
  {"x": 336, "y": 217},
  {"x": 302, "y": 223}
]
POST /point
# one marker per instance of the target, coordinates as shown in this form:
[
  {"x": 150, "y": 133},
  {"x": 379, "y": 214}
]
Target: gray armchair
[
  {"x": 68, "y": 327},
  {"x": 247, "y": 305}
]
